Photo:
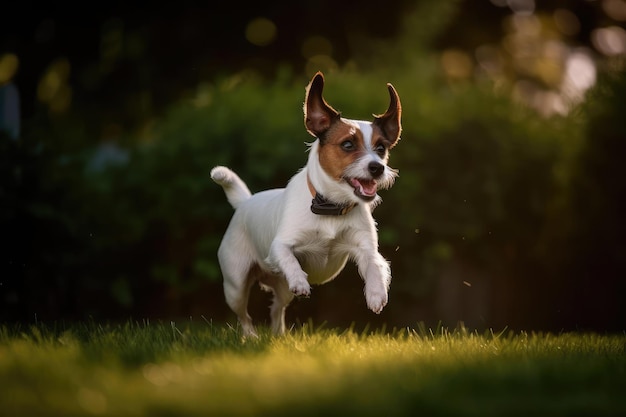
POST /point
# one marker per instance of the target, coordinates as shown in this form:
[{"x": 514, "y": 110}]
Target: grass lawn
[{"x": 202, "y": 369}]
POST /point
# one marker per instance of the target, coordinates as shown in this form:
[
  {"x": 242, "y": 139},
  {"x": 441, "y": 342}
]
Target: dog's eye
[
  {"x": 380, "y": 149},
  {"x": 347, "y": 146}
]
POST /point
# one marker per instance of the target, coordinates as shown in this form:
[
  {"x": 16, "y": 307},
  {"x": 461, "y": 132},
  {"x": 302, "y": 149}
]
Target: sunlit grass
[{"x": 155, "y": 369}]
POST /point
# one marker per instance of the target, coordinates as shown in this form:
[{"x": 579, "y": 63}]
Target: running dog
[{"x": 290, "y": 238}]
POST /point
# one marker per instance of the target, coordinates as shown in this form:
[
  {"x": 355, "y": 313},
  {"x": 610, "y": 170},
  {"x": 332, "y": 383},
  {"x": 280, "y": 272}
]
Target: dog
[{"x": 290, "y": 238}]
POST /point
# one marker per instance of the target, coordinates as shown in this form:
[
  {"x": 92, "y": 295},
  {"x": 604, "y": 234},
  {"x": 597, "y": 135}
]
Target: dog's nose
[{"x": 376, "y": 169}]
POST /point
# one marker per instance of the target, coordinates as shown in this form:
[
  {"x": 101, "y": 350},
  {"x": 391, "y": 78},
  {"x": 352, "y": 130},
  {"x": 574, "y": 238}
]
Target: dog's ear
[
  {"x": 318, "y": 115},
  {"x": 390, "y": 122}
]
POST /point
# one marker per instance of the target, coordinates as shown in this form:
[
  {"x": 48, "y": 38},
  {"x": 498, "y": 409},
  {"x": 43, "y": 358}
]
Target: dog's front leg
[
  {"x": 282, "y": 260},
  {"x": 376, "y": 273}
]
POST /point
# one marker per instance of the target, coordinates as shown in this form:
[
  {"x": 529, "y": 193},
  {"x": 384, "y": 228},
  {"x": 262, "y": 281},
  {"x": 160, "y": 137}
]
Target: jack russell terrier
[{"x": 290, "y": 238}]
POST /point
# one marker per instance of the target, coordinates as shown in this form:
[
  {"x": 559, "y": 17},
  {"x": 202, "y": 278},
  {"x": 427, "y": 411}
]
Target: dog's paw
[
  {"x": 376, "y": 301},
  {"x": 301, "y": 289}
]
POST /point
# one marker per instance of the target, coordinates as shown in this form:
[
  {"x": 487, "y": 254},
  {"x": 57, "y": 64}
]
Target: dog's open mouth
[{"x": 364, "y": 188}]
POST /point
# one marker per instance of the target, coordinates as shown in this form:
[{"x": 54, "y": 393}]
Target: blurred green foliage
[{"x": 132, "y": 225}]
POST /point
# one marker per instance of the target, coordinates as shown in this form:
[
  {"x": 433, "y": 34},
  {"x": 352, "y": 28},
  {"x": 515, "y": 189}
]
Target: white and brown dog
[{"x": 290, "y": 238}]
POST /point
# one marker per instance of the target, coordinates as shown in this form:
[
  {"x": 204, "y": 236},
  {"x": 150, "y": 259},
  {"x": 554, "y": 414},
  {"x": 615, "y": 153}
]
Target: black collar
[
  {"x": 323, "y": 207},
  {"x": 320, "y": 205}
]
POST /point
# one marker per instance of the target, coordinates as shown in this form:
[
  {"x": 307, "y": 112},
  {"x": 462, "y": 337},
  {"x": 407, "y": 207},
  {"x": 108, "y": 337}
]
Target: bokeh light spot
[
  {"x": 316, "y": 45},
  {"x": 580, "y": 75},
  {"x": 53, "y": 88},
  {"x": 610, "y": 40},
  {"x": 261, "y": 31},
  {"x": 8, "y": 67},
  {"x": 456, "y": 64},
  {"x": 522, "y": 7},
  {"x": 566, "y": 22},
  {"x": 615, "y": 9}
]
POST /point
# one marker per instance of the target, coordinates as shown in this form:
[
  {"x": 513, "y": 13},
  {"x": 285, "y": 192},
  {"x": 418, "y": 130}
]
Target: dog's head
[{"x": 353, "y": 153}]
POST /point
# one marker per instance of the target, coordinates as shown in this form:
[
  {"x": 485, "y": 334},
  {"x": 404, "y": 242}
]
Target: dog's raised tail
[{"x": 236, "y": 190}]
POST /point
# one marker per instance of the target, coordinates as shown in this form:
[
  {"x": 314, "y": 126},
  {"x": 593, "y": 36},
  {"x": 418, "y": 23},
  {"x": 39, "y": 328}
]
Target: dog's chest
[
  {"x": 323, "y": 252},
  {"x": 320, "y": 241}
]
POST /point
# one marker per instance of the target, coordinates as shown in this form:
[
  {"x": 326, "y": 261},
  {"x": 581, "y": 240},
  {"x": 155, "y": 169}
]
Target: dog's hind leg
[
  {"x": 282, "y": 297},
  {"x": 238, "y": 280}
]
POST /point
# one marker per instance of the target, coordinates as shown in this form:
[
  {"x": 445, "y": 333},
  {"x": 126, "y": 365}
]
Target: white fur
[{"x": 274, "y": 237}]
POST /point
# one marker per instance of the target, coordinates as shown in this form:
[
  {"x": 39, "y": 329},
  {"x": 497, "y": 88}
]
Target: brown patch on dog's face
[
  {"x": 381, "y": 143},
  {"x": 343, "y": 144},
  {"x": 353, "y": 151}
]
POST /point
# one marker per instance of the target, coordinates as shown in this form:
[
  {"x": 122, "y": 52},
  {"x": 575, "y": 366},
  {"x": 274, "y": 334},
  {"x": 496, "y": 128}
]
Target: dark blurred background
[{"x": 509, "y": 208}]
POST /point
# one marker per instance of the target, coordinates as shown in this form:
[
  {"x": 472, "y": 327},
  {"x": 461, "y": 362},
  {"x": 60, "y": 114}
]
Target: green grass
[{"x": 201, "y": 369}]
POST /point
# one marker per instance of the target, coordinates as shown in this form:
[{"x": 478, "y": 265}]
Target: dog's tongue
[{"x": 364, "y": 187}]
